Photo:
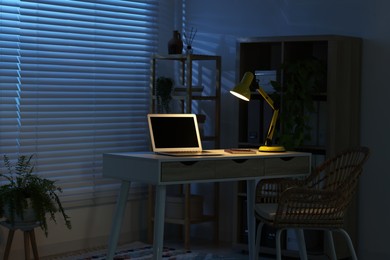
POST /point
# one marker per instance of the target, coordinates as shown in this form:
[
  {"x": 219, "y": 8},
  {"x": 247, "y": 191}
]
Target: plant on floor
[{"x": 22, "y": 192}]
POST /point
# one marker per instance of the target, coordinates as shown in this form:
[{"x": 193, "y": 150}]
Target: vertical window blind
[{"x": 74, "y": 85}]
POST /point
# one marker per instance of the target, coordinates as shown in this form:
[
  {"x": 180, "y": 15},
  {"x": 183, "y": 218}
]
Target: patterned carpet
[{"x": 140, "y": 251}]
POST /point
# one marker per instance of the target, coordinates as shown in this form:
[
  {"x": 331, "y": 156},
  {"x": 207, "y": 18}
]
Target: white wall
[
  {"x": 90, "y": 229},
  {"x": 221, "y": 22}
]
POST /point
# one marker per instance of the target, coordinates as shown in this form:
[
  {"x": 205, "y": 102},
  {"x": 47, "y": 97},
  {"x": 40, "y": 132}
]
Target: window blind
[{"x": 74, "y": 85}]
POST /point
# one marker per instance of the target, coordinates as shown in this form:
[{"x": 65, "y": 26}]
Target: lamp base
[{"x": 272, "y": 148}]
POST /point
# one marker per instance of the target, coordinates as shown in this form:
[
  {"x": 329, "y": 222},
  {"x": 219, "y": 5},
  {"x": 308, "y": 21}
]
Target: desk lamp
[{"x": 243, "y": 92}]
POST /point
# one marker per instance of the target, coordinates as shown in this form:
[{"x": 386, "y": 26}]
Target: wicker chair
[{"x": 319, "y": 201}]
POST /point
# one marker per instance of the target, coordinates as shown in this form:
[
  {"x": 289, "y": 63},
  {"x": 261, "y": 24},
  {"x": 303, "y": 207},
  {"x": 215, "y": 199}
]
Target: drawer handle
[
  {"x": 189, "y": 163},
  {"x": 287, "y": 158},
  {"x": 240, "y": 160}
]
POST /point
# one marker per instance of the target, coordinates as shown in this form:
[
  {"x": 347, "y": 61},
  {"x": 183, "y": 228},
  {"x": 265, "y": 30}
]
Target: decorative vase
[
  {"x": 175, "y": 45},
  {"x": 189, "y": 49}
]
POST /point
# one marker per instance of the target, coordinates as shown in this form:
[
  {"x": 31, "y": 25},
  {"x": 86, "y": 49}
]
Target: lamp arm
[
  {"x": 272, "y": 125},
  {"x": 266, "y": 97},
  {"x": 271, "y": 129}
]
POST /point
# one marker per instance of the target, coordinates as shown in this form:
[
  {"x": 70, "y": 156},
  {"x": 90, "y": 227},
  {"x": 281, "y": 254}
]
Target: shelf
[
  {"x": 183, "y": 57},
  {"x": 312, "y": 149},
  {"x": 203, "y": 219},
  {"x": 190, "y": 95}
]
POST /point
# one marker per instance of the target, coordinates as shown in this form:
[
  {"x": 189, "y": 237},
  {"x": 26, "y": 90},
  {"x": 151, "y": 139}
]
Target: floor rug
[
  {"x": 145, "y": 252},
  {"x": 142, "y": 253}
]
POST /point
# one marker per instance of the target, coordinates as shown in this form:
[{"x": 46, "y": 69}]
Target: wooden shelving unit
[
  {"x": 336, "y": 121},
  {"x": 189, "y": 96},
  {"x": 202, "y": 98}
]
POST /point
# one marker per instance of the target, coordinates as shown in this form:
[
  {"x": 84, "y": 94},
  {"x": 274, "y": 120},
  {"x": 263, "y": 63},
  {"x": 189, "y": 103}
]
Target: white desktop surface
[{"x": 162, "y": 170}]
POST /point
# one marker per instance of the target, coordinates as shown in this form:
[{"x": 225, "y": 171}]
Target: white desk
[{"x": 149, "y": 168}]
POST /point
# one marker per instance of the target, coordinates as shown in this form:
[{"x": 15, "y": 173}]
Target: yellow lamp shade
[{"x": 242, "y": 90}]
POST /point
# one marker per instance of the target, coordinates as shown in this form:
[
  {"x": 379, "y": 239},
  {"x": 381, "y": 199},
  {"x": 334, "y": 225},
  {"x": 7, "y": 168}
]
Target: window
[{"x": 74, "y": 85}]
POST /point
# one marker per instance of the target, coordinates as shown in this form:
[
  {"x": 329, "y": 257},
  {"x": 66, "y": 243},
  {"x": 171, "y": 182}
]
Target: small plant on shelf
[
  {"x": 27, "y": 198},
  {"x": 164, "y": 88}
]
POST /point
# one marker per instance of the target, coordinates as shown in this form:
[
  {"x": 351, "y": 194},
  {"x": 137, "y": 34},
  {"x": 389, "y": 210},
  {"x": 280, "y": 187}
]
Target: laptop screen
[{"x": 174, "y": 132}]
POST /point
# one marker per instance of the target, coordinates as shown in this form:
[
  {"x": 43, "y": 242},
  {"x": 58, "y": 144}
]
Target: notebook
[{"x": 176, "y": 135}]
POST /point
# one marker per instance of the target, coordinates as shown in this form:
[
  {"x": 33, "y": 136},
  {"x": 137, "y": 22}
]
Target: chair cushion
[{"x": 266, "y": 210}]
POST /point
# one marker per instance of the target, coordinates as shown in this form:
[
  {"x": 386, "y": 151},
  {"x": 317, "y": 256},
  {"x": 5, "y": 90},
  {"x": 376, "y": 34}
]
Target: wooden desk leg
[
  {"x": 159, "y": 214},
  {"x": 26, "y": 235},
  {"x": 34, "y": 244},
  {"x": 9, "y": 243},
  {"x": 250, "y": 193},
  {"x": 117, "y": 219}
]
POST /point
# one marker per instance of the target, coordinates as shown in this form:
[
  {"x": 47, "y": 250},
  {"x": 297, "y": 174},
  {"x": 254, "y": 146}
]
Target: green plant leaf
[{"x": 23, "y": 189}]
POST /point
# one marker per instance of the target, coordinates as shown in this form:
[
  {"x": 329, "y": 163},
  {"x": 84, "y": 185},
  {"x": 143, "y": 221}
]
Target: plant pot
[{"x": 29, "y": 216}]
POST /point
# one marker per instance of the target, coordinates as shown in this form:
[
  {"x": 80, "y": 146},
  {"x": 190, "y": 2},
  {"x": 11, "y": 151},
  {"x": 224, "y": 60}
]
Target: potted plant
[
  {"x": 27, "y": 197},
  {"x": 164, "y": 87}
]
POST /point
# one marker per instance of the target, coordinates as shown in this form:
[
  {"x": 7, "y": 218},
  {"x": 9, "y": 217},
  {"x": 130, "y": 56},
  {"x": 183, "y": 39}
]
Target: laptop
[{"x": 176, "y": 135}]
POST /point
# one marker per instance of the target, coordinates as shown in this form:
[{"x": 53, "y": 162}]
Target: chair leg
[
  {"x": 329, "y": 237},
  {"x": 278, "y": 244},
  {"x": 301, "y": 242},
  {"x": 258, "y": 239},
  {"x": 349, "y": 242}
]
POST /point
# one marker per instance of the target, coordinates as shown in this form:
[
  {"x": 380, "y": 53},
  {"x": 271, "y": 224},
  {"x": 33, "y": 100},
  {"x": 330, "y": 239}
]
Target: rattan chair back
[{"x": 321, "y": 199}]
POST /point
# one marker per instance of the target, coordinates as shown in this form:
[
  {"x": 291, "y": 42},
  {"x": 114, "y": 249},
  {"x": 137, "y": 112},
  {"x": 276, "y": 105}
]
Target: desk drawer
[
  {"x": 239, "y": 168},
  {"x": 186, "y": 171},
  {"x": 287, "y": 165}
]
